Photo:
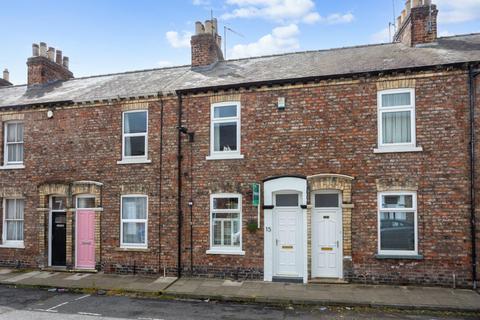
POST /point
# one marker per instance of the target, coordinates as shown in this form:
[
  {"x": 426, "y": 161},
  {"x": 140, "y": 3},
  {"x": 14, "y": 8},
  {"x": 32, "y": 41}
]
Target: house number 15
[{"x": 268, "y": 229}]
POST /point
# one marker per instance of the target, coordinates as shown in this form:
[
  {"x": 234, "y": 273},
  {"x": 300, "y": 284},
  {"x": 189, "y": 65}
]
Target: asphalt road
[{"x": 23, "y": 304}]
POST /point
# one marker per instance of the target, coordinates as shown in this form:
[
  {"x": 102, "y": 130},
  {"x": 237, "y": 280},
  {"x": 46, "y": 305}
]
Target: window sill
[
  {"x": 132, "y": 249},
  {"x": 134, "y": 161},
  {"x": 12, "y": 167},
  {"x": 397, "y": 149},
  {"x": 13, "y": 245},
  {"x": 399, "y": 257},
  {"x": 226, "y": 252},
  {"x": 225, "y": 156}
]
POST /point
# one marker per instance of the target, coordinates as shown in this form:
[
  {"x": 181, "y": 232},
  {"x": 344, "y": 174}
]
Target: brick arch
[{"x": 342, "y": 183}]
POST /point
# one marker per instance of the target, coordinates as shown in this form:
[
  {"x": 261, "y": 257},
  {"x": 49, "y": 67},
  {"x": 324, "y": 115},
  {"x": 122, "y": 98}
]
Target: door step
[
  {"x": 327, "y": 281},
  {"x": 64, "y": 269}
]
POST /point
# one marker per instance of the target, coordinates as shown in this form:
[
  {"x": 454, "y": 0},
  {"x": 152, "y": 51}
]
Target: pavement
[
  {"x": 399, "y": 297},
  {"x": 41, "y": 304}
]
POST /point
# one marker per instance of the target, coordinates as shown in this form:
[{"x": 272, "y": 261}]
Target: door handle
[
  {"x": 276, "y": 242},
  {"x": 338, "y": 244}
]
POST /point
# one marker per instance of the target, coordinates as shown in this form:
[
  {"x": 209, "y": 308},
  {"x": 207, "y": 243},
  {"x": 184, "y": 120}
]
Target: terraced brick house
[{"x": 355, "y": 164}]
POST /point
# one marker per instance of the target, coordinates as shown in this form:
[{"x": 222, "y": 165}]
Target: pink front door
[{"x": 85, "y": 239}]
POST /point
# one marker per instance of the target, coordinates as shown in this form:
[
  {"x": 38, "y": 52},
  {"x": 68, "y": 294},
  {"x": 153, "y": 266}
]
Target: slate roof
[{"x": 322, "y": 63}]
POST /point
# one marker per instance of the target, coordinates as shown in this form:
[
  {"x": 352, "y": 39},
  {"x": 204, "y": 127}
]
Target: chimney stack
[
  {"x": 418, "y": 23},
  {"x": 47, "y": 65},
  {"x": 206, "y": 44},
  {"x": 6, "y": 79}
]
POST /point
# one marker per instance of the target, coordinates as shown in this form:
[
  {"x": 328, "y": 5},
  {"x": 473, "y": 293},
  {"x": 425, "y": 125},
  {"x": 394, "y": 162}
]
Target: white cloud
[
  {"x": 282, "y": 11},
  {"x": 164, "y": 63},
  {"x": 337, "y": 18},
  {"x": 458, "y": 11},
  {"x": 382, "y": 36},
  {"x": 281, "y": 39},
  {"x": 178, "y": 41},
  {"x": 201, "y": 2}
]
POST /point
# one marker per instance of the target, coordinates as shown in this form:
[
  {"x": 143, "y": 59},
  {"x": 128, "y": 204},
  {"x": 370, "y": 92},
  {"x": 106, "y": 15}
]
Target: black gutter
[
  {"x": 179, "y": 186},
  {"x": 318, "y": 78},
  {"x": 472, "y": 74}
]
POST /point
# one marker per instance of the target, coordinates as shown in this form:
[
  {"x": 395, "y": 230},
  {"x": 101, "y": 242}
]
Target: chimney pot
[
  {"x": 65, "y": 62},
  {"x": 408, "y": 6},
  {"x": 418, "y": 23},
  {"x": 199, "y": 28},
  {"x": 6, "y": 75},
  {"x": 209, "y": 27},
  {"x": 43, "y": 49},
  {"x": 51, "y": 53},
  {"x": 58, "y": 57},
  {"x": 35, "y": 50}
]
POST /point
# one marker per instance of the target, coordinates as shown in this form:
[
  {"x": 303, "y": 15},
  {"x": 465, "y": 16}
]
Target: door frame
[
  {"x": 76, "y": 225},
  {"x": 275, "y": 248},
  {"x": 339, "y": 213},
  {"x": 272, "y": 185},
  {"x": 50, "y": 229}
]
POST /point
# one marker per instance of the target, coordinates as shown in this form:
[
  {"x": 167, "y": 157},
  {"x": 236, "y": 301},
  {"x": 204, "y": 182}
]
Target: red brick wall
[
  {"x": 326, "y": 128},
  {"x": 41, "y": 70},
  {"x": 84, "y": 143},
  {"x": 333, "y": 129}
]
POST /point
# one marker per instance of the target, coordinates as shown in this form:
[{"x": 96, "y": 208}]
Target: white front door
[
  {"x": 327, "y": 257},
  {"x": 287, "y": 218}
]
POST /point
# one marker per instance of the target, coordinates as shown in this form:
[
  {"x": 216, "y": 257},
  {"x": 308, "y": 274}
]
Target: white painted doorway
[
  {"x": 327, "y": 244},
  {"x": 287, "y": 226}
]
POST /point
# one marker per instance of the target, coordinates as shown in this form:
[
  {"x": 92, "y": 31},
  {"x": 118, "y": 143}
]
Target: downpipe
[{"x": 472, "y": 74}]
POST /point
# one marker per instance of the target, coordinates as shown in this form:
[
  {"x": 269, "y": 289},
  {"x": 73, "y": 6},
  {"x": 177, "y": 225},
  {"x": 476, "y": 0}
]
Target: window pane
[
  {"x": 217, "y": 232},
  {"x": 287, "y": 200},
  {"x": 134, "y": 208},
  {"x": 14, "y": 230},
  {"x": 396, "y": 127},
  {"x": 86, "y": 202},
  {"x": 134, "y": 146},
  {"x": 134, "y": 232},
  {"x": 396, "y": 99},
  {"x": 225, "y": 203},
  {"x": 226, "y": 111},
  {"x": 10, "y": 209},
  {"x": 135, "y": 122},
  {"x": 12, "y": 132},
  {"x": 227, "y": 232},
  {"x": 236, "y": 232},
  {"x": 397, "y": 201},
  {"x": 19, "y": 132},
  {"x": 58, "y": 203},
  {"x": 19, "y": 209},
  {"x": 225, "y": 136},
  {"x": 397, "y": 231},
  {"x": 15, "y": 152},
  {"x": 327, "y": 200},
  {"x": 225, "y": 215}
]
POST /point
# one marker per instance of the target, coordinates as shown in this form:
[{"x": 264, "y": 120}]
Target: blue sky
[{"x": 108, "y": 36}]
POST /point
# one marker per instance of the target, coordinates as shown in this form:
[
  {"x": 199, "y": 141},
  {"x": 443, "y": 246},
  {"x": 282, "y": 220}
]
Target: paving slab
[{"x": 432, "y": 298}]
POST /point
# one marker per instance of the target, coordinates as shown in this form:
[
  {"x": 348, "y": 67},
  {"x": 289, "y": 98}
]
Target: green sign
[{"x": 255, "y": 194}]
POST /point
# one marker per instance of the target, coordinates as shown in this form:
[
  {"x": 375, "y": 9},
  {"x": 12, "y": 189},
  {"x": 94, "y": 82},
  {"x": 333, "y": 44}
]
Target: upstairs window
[
  {"x": 225, "y": 131},
  {"x": 13, "y": 144},
  {"x": 396, "y": 120},
  {"x": 135, "y": 136},
  {"x": 13, "y": 222},
  {"x": 397, "y": 216}
]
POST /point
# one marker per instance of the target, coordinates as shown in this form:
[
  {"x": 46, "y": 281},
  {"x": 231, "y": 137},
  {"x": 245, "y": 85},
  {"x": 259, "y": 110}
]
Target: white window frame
[
  {"x": 218, "y": 155},
  {"x": 413, "y": 209},
  {"x": 12, "y": 164},
  {"x": 133, "y": 245},
  {"x": 228, "y": 250},
  {"x": 12, "y": 243},
  {"x": 134, "y": 159},
  {"x": 396, "y": 147}
]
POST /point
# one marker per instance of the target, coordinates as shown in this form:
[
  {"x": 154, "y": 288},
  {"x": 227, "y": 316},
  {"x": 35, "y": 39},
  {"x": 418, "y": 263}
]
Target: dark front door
[{"x": 59, "y": 238}]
